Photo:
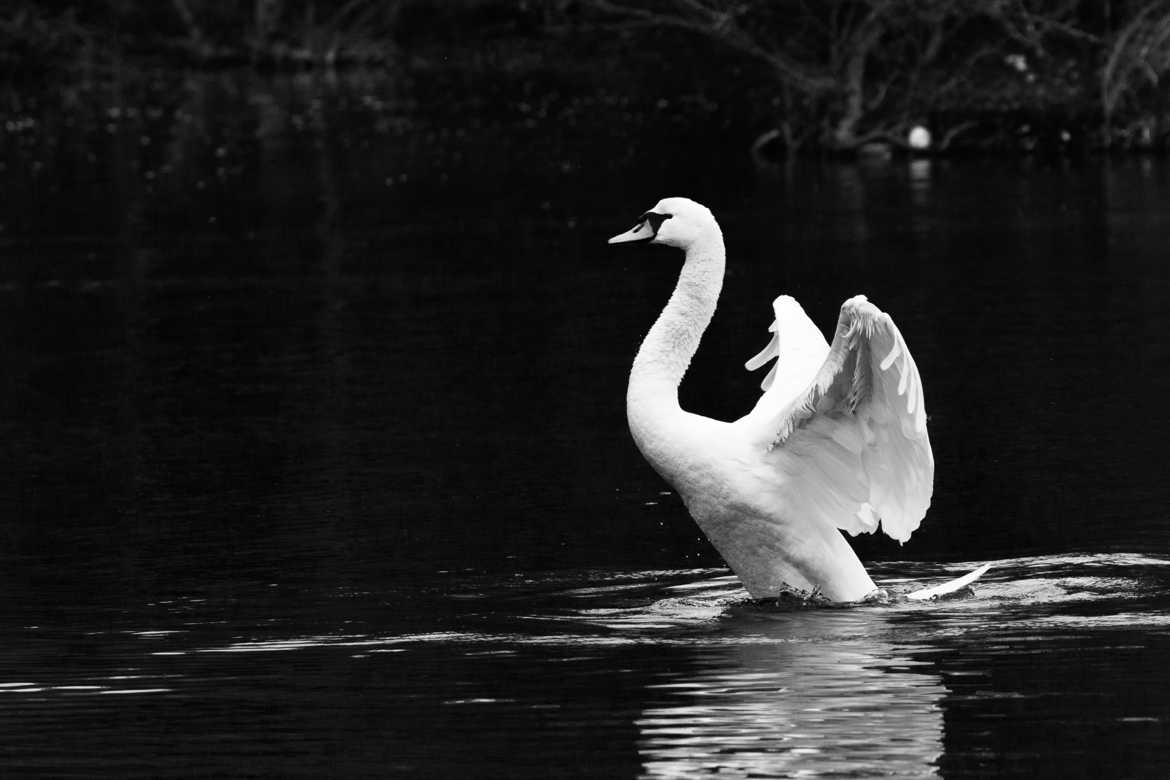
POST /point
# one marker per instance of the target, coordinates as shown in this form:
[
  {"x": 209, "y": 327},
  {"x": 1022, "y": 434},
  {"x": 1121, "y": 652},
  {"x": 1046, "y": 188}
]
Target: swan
[{"x": 836, "y": 442}]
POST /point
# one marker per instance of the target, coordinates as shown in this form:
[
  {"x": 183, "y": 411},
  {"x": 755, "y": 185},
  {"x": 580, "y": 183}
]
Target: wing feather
[{"x": 852, "y": 446}]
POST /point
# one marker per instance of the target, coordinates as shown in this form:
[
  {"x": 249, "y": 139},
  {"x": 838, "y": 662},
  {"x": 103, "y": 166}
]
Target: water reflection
[{"x": 809, "y": 694}]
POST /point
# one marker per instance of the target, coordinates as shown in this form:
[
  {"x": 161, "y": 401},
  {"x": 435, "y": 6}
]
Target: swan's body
[{"x": 837, "y": 440}]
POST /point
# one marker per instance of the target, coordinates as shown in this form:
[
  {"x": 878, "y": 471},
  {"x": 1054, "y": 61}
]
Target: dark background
[
  {"x": 312, "y": 422},
  {"x": 291, "y": 317}
]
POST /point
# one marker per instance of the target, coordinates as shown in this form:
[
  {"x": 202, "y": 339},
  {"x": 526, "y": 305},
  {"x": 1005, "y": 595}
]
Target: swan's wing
[
  {"x": 799, "y": 349},
  {"x": 852, "y": 447}
]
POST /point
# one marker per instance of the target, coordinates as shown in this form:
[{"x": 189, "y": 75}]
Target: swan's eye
[{"x": 655, "y": 219}]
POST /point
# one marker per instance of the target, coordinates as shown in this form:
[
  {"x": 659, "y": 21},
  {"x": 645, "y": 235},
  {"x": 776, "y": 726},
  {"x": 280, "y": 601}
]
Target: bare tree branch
[
  {"x": 722, "y": 27},
  {"x": 867, "y": 70}
]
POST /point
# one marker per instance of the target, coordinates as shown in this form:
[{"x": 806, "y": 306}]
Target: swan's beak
[{"x": 643, "y": 231}]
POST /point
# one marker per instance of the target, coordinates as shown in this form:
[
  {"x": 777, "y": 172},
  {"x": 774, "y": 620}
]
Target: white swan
[{"x": 836, "y": 441}]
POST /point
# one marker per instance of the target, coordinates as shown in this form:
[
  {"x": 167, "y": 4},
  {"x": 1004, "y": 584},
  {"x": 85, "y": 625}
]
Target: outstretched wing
[{"x": 851, "y": 447}]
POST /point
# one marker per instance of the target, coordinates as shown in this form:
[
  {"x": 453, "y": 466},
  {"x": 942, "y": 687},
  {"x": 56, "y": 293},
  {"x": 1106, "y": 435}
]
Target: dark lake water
[{"x": 315, "y": 458}]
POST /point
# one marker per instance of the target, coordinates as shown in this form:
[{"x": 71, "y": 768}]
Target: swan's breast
[{"x": 720, "y": 474}]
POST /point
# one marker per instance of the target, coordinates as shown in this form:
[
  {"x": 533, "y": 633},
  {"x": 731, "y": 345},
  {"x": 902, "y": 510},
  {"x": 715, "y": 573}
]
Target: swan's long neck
[{"x": 667, "y": 350}]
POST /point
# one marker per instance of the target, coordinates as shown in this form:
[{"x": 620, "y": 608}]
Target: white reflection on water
[
  {"x": 805, "y": 694},
  {"x": 84, "y": 690}
]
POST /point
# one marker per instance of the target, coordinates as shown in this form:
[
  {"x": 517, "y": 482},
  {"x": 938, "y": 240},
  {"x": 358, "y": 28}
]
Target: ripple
[{"x": 710, "y": 681}]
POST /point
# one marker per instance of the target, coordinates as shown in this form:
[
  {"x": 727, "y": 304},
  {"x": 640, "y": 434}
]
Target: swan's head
[{"x": 677, "y": 222}]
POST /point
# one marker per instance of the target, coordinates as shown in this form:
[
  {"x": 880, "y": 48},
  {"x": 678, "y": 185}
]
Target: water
[
  {"x": 316, "y": 463},
  {"x": 1055, "y": 664}
]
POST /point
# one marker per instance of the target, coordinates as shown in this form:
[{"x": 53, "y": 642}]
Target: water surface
[
  {"x": 316, "y": 463},
  {"x": 1052, "y": 663}
]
